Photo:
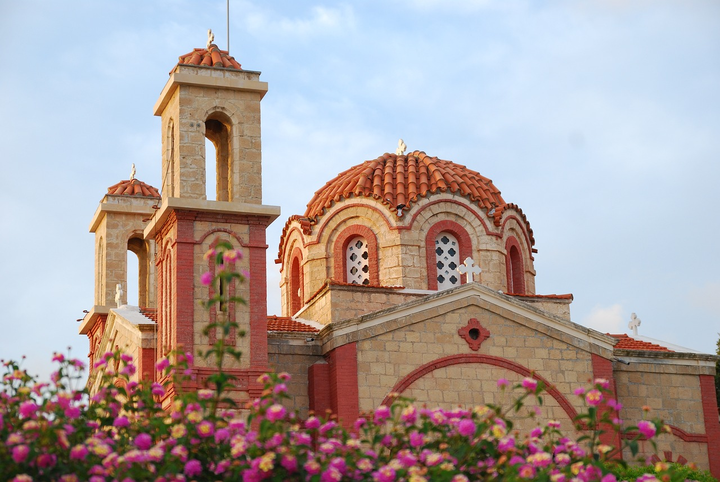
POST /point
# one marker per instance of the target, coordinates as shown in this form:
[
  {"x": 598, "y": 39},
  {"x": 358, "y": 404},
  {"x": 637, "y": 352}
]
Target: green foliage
[{"x": 685, "y": 472}]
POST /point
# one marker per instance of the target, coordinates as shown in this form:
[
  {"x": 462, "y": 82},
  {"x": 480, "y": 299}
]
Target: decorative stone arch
[
  {"x": 328, "y": 217},
  {"x": 340, "y": 247},
  {"x": 514, "y": 266},
  {"x": 447, "y": 361},
  {"x": 463, "y": 239},
  {"x": 227, "y": 231}
]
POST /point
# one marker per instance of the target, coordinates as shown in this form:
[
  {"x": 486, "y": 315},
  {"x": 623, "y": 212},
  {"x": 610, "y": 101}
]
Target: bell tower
[{"x": 209, "y": 96}]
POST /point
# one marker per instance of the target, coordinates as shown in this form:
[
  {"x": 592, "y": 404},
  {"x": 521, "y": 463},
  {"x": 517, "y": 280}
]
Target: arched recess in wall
[
  {"x": 341, "y": 253},
  {"x": 464, "y": 249},
  {"x": 218, "y": 130},
  {"x": 100, "y": 274},
  {"x": 296, "y": 285},
  {"x": 168, "y": 185},
  {"x": 514, "y": 266},
  {"x": 138, "y": 273}
]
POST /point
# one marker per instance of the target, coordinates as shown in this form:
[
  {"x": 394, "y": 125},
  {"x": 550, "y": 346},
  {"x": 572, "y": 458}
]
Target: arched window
[
  {"x": 355, "y": 256},
  {"x": 447, "y": 259},
  {"x": 447, "y": 244},
  {"x": 138, "y": 272},
  {"x": 217, "y": 130},
  {"x": 100, "y": 275},
  {"x": 514, "y": 267},
  {"x": 296, "y": 288},
  {"x": 357, "y": 262}
]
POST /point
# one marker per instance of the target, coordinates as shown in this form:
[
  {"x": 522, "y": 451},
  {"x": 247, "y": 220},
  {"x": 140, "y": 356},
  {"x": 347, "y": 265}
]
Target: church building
[{"x": 406, "y": 274}]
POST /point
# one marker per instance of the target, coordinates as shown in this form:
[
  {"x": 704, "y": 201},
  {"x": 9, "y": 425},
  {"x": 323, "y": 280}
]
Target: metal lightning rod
[{"x": 228, "y": 26}]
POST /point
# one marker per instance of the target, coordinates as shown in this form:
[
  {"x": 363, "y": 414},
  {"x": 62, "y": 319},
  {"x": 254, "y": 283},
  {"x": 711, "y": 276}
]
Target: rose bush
[{"x": 57, "y": 431}]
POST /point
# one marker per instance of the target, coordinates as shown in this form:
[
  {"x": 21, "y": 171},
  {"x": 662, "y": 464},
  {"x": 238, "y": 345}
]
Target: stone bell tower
[{"x": 209, "y": 95}]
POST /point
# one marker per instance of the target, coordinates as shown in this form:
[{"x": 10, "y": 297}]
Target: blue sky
[{"x": 600, "y": 118}]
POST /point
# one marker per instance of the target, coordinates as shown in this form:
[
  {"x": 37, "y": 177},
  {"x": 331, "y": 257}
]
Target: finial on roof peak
[
  {"x": 211, "y": 38},
  {"x": 400, "y": 151},
  {"x": 132, "y": 172}
]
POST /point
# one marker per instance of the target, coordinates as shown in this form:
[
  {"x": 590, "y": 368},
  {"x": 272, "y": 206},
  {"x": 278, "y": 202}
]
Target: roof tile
[
  {"x": 133, "y": 187},
  {"x": 287, "y": 324},
  {"x": 628, "y": 343},
  {"x": 210, "y": 57}
]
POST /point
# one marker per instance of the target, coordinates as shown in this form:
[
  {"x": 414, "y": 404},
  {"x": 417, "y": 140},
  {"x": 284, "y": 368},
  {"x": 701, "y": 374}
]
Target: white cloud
[
  {"x": 321, "y": 21},
  {"x": 607, "y": 319}
]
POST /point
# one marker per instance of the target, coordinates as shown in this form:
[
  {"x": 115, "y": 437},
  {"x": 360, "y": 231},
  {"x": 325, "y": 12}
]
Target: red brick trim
[
  {"x": 341, "y": 243},
  {"x": 677, "y": 431},
  {"x": 447, "y": 361},
  {"x": 222, "y": 230},
  {"x": 512, "y": 270},
  {"x": 465, "y": 247},
  {"x": 344, "y": 398},
  {"x": 522, "y": 224},
  {"x": 182, "y": 281},
  {"x": 712, "y": 426},
  {"x": 319, "y": 388},
  {"x": 602, "y": 368},
  {"x": 258, "y": 297},
  {"x": 146, "y": 364}
]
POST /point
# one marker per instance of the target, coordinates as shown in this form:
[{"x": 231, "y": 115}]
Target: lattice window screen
[
  {"x": 447, "y": 259},
  {"x": 356, "y": 257}
]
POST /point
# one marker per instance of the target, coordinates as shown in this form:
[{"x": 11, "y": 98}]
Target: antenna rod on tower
[{"x": 228, "y": 25}]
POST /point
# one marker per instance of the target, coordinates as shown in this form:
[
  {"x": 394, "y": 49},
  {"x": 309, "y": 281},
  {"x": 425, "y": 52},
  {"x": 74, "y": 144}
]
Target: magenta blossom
[
  {"x": 206, "y": 278},
  {"x": 503, "y": 383},
  {"x": 647, "y": 428},
  {"x": 466, "y": 427},
  {"x": 143, "y": 441},
  {"x": 20, "y": 453},
  {"x": 275, "y": 412},
  {"x": 192, "y": 468},
  {"x": 529, "y": 384}
]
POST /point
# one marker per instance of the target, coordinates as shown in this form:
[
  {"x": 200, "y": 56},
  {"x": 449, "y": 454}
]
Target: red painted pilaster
[
  {"x": 344, "y": 397},
  {"x": 602, "y": 368},
  {"x": 146, "y": 364},
  {"x": 712, "y": 426},
  {"x": 183, "y": 280},
  {"x": 319, "y": 388},
  {"x": 258, "y": 297}
]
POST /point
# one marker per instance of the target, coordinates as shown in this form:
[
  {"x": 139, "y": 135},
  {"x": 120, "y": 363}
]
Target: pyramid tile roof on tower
[
  {"x": 211, "y": 56},
  {"x": 133, "y": 187}
]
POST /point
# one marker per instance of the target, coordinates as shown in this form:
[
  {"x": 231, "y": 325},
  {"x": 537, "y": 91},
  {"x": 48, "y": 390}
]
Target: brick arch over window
[
  {"x": 451, "y": 360},
  {"x": 296, "y": 281},
  {"x": 514, "y": 266},
  {"x": 340, "y": 247},
  {"x": 463, "y": 239}
]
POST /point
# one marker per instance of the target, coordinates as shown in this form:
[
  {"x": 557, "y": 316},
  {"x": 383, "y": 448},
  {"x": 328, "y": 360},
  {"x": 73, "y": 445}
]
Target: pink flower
[
  {"x": 205, "y": 429},
  {"x": 162, "y": 364},
  {"x": 222, "y": 434},
  {"x": 409, "y": 415},
  {"x": 529, "y": 384},
  {"x": 312, "y": 423},
  {"x": 289, "y": 462},
  {"x": 78, "y": 452},
  {"x": 121, "y": 422},
  {"x": 594, "y": 397},
  {"x": 580, "y": 391},
  {"x": 72, "y": 413},
  {"x": 20, "y": 453},
  {"x": 331, "y": 475},
  {"x": 647, "y": 428},
  {"x": 609, "y": 478},
  {"x": 385, "y": 474},
  {"x": 192, "y": 468},
  {"x": 466, "y": 428},
  {"x": 58, "y": 357},
  {"x": 381, "y": 414},
  {"x": 28, "y": 409},
  {"x": 157, "y": 389},
  {"x": 143, "y": 441},
  {"x": 506, "y": 443},
  {"x": 206, "y": 278},
  {"x": 46, "y": 460},
  {"x": 275, "y": 412},
  {"x": 503, "y": 383},
  {"x": 526, "y": 472},
  {"x": 232, "y": 255},
  {"x": 603, "y": 382},
  {"x": 280, "y": 388}
]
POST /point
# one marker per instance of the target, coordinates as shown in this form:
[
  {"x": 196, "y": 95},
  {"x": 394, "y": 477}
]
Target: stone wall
[{"x": 292, "y": 354}]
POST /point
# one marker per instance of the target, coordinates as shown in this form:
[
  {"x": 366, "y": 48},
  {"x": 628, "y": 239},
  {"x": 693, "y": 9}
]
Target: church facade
[{"x": 406, "y": 274}]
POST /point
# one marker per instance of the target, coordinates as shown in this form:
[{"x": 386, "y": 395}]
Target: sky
[{"x": 599, "y": 118}]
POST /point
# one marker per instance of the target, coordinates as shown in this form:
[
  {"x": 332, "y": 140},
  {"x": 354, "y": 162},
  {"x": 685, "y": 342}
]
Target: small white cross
[
  {"x": 634, "y": 324},
  {"x": 469, "y": 270}
]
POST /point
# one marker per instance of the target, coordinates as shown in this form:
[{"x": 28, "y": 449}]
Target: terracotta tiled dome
[
  {"x": 401, "y": 179},
  {"x": 210, "y": 57},
  {"x": 133, "y": 187}
]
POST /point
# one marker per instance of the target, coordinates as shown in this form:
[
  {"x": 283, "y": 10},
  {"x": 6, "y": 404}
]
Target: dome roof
[
  {"x": 133, "y": 187},
  {"x": 210, "y": 57},
  {"x": 402, "y": 179}
]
